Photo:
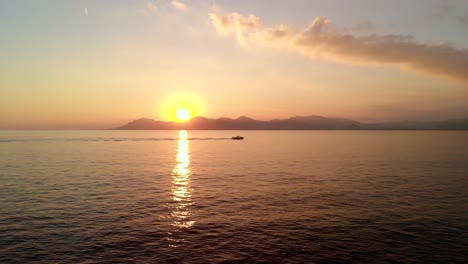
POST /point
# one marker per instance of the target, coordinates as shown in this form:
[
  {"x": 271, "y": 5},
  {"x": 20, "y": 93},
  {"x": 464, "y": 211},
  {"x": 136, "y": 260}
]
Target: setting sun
[
  {"x": 181, "y": 107},
  {"x": 183, "y": 114},
  {"x": 174, "y": 131}
]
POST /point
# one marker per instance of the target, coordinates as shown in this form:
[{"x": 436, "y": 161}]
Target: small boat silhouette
[{"x": 238, "y": 138}]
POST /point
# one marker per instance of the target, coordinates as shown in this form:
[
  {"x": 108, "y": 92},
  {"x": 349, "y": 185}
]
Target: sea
[{"x": 109, "y": 196}]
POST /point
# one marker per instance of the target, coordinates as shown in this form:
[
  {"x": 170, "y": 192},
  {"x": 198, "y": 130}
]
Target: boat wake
[{"x": 104, "y": 139}]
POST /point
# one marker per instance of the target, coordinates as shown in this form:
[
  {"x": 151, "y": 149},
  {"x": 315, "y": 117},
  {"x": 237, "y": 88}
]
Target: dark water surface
[{"x": 198, "y": 197}]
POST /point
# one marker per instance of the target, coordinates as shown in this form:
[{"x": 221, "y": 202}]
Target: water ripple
[{"x": 285, "y": 197}]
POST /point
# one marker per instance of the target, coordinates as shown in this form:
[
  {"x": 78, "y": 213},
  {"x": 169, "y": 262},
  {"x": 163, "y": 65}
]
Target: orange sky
[{"x": 89, "y": 65}]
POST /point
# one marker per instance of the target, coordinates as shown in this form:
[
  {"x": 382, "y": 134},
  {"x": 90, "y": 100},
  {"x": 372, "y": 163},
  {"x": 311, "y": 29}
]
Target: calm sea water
[{"x": 199, "y": 197}]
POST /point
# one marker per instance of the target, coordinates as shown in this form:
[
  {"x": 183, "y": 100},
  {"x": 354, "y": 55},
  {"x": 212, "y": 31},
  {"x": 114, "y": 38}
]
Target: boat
[{"x": 238, "y": 138}]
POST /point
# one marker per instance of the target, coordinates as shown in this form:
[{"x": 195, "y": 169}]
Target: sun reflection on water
[{"x": 181, "y": 190}]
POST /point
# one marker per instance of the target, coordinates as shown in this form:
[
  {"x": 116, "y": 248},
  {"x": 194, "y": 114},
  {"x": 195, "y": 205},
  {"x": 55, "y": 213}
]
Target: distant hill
[
  {"x": 455, "y": 124},
  {"x": 293, "y": 123},
  {"x": 245, "y": 123},
  {"x": 320, "y": 122}
]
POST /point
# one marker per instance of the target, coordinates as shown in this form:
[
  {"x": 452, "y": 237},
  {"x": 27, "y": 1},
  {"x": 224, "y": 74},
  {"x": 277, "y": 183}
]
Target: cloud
[
  {"x": 445, "y": 11},
  {"x": 165, "y": 5},
  {"x": 152, "y": 6},
  {"x": 463, "y": 19},
  {"x": 322, "y": 40},
  {"x": 364, "y": 26},
  {"x": 237, "y": 24},
  {"x": 178, "y": 4}
]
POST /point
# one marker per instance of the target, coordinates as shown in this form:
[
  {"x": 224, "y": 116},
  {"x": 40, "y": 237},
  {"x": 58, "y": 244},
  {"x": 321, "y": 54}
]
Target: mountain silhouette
[{"x": 294, "y": 123}]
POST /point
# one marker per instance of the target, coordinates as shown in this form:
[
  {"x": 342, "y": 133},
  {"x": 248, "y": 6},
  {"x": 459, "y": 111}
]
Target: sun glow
[
  {"x": 181, "y": 107},
  {"x": 183, "y": 114}
]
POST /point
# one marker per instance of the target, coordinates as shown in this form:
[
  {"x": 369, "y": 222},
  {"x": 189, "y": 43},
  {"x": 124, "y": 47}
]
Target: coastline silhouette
[{"x": 293, "y": 123}]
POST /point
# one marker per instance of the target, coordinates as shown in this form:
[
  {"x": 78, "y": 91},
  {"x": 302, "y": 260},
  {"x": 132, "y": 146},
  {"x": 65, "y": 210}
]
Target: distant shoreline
[{"x": 293, "y": 123}]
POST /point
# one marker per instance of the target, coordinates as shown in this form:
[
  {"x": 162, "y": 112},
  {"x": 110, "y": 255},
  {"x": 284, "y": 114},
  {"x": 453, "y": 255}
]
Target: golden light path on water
[{"x": 181, "y": 190}]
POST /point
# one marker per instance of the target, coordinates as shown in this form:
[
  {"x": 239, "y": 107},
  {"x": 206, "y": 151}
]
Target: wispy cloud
[
  {"x": 323, "y": 40},
  {"x": 446, "y": 11},
  {"x": 165, "y": 5},
  {"x": 178, "y": 4},
  {"x": 365, "y": 26},
  {"x": 237, "y": 24},
  {"x": 152, "y": 6}
]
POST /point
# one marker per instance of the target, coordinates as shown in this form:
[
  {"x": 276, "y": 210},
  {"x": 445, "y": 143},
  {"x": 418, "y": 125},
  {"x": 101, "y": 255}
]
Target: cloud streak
[
  {"x": 165, "y": 5},
  {"x": 322, "y": 40},
  {"x": 237, "y": 24},
  {"x": 448, "y": 12},
  {"x": 178, "y": 4}
]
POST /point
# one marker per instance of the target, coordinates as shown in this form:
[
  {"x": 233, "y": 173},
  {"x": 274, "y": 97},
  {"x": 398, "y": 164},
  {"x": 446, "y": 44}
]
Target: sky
[{"x": 100, "y": 64}]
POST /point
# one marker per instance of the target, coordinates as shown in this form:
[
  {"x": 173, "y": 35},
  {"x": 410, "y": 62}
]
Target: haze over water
[{"x": 199, "y": 197}]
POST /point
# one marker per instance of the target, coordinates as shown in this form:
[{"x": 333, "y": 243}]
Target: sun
[
  {"x": 181, "y": 107},
  {"x": 183, "y": 114}
]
